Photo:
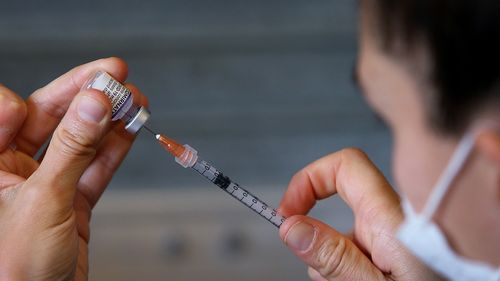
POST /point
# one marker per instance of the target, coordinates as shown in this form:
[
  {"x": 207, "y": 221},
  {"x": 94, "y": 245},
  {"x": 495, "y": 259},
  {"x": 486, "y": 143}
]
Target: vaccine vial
[{"x": 122, "y": 101}]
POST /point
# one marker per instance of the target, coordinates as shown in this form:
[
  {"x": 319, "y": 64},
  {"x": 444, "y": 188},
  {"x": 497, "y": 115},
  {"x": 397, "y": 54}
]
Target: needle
[{"x": 149, "y": 130}]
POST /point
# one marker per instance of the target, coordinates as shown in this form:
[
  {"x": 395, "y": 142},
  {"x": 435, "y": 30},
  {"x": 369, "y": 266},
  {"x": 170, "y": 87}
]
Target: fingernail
[
  {"x": 91, "y": 110},
  {"x": 300, "y": 236}
]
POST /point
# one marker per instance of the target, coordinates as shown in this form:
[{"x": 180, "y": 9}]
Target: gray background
[{"x": 260, "y": 88}]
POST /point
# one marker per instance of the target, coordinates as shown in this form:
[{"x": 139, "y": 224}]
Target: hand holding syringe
[{"x": 187, "y": 157}]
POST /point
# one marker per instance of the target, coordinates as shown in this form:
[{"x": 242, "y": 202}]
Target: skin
[
  {"x": 468, "y": 214},
  {"x": 45, "y": 205},
  {"x": 421, "y": 153}
]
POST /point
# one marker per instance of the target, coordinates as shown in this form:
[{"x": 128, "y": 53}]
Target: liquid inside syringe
[{"x": 187, "y": 157}]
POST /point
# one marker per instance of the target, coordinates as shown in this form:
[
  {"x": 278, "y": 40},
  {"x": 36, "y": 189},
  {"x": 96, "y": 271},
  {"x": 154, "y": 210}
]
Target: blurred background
[{"x": 260, "y": 88}]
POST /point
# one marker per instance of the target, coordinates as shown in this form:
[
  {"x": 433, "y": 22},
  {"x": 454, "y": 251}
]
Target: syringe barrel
[
  {"x": 189, "y": 159},
  {"x": 235, "y": 190},
  {"x": 122, "y": 100}
]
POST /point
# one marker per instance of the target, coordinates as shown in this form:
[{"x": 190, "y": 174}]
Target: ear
[{"x": 488, "y": 144}]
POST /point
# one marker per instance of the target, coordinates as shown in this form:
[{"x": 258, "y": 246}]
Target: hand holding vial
[{"x": 45, "y": 204}]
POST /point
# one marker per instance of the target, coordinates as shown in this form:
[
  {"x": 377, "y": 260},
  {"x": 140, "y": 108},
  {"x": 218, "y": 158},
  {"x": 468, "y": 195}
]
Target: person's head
[{"x": 431, "y": 70}]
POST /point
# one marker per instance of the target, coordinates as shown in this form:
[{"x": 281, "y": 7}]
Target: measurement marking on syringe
[{"x": 187, "y": 157}]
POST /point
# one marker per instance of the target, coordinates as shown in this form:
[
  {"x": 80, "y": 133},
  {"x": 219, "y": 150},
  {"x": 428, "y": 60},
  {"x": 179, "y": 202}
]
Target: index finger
[
  {"x": 358, "y": 182},
  {"x": 47, "y": 105},
  {"x": 349, "y": 173}
]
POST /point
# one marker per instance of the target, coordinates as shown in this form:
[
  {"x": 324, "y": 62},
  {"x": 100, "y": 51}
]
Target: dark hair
[{"x": 462, "y": 38}]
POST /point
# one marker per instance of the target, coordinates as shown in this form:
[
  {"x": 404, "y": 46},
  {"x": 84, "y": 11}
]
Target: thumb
[
  {"x": 74, "y": 144},
  {"x": 328, "y": 252}
]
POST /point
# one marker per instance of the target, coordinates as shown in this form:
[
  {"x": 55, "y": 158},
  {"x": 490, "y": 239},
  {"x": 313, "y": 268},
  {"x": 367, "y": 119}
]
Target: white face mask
[{"x": 424, "y": 238}]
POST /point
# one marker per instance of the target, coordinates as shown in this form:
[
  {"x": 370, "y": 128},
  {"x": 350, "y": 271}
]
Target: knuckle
[
  {"x": 20, "y": 109},
  {"x": 12, "y": 103},
  {"x": 50, "y": 108},
  {"x": 301, "y": 178},
  {"x": 74, "y": 142},
  {"x": 353, "y": 153},
  {"x": 42, "y": 192},
  {"x": 36, "y": 92},
  {"x": 16, "y": 110},
  {"x": 117, "y": 61},
  {"x": 23, "y": 109},
  {"x": 330, "y": 255},
  {"x": 298, "y": 175}
]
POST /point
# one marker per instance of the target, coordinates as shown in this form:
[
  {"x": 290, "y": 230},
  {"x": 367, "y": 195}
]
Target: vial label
[{"x": 118, "y": 94}]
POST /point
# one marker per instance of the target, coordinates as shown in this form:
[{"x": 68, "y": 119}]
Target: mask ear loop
[{"x": 455, "y": 166}]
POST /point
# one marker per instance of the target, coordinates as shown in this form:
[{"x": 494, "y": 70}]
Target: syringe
[
  {"x": 187, "y": 157},
  {"x": 135, "y": 116}
]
